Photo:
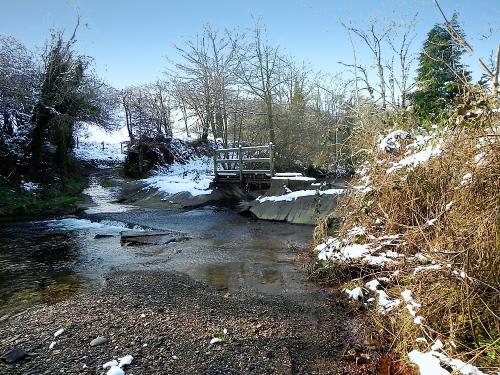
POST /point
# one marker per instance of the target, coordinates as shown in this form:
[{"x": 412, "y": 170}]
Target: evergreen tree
[
  {"x": 440, "y": 74},
  {"x": 69, "y": 93}
]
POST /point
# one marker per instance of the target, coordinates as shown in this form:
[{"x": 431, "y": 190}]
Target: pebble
[{"x": 98, "y": 341}]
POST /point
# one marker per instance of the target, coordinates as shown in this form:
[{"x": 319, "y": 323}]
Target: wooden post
[
  {"x": 121, "y": 147},
  {"x": 215, "y": 164},
  {"x": 103, "y": 145},
  {"x": 77, "y": 143},
  {"x": 240, "y": 163},
  {"x": 271, "y": 158},
  {"x": 141, "y": 158}
]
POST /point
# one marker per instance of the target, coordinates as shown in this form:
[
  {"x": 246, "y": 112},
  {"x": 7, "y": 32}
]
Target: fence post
[
  {"x": 103, "y": 145},
  {"x": 240, "y": 163},
  {"x": 215, "y": 164},
  {"x": 141, "y": 159},
  {"x": 271, "y": 158}
]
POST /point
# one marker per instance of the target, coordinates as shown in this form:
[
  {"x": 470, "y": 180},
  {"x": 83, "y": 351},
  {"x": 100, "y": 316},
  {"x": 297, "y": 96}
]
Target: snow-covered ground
[
  {"x": 193, "y": 177},
  {"x": 94, "y": 151},
  {"x": 90, "y": 145}
]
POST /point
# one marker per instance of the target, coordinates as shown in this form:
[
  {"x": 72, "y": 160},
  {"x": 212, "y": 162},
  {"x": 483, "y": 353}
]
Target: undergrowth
[
  {"x": 56, "y": 197},
  {"x": 447, "y": 211}
]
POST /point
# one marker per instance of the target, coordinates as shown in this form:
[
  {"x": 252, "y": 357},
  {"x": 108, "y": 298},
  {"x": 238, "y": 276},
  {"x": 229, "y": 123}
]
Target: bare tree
[
  {"x": 374, "y": 40},
  {"x": 401, "y": 44},
  {"x": 205, "y": 70},
  {"x": 260, "y": 72}
]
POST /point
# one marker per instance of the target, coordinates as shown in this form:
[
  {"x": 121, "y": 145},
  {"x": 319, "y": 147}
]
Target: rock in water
[
  {"x": 14, "y": 355},
  {"x": 98, "y": 341},
  {"x": 98, "y": 236}
]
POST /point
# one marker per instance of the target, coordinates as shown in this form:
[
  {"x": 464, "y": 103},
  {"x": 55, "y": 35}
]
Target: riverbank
[{"x": 166, "y": 321}]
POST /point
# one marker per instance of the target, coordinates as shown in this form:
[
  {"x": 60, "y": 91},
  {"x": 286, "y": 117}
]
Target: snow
[
  {"x": 418, "y": 319},
  {"x": 288, "y": 174},
  {"x": 365, "y": 187},
  {"x": 289, "y": 197},
  {"x": 413, "y": 160},
  {"x": 373, "y": 284},
  {"x": 356, "y": 231},
  {"x": 294, "y": 178},
  {"x": 391, "y": 141},
  {"x": 115, "y": 367},
  {"x": 433, "y": 267},
  {"x": 326, "y": 250},
  {"x": 429, "y": 363},
  {"x": 112, "y": 363},
  {"x": 59, "y": 332},
  {"x": 30, "y": 186},
  {"x": 449, "y": 206},
  {"x": 355, "y": 251},
  {"x": 466, "y": 179},
  {"x": 115, "y": 370},
  {"x": 355, "y": 294},
  {"x": 431, "y": 222},
  {"x": 386, "y": 304},
  {"x": 437, "y": 345},
  {"x": 479, "y": 158},
  {"x": 193, "y": 177},
  {"x": 215, "y": 340},
  {"x": 125, "y": 361}
]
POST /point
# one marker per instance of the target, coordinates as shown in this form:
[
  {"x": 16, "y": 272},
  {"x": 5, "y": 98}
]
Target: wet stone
[
  {"x": 97, "y": 236},
  {"x": 14, "y": 355}
]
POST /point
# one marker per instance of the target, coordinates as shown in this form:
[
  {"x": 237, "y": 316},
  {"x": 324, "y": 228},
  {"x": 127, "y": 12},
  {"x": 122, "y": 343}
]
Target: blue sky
[{"x": 131, "y": 39}]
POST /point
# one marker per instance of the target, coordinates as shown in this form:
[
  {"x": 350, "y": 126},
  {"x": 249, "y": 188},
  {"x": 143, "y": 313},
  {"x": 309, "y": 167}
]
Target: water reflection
[{"x": 33, "y": 262}]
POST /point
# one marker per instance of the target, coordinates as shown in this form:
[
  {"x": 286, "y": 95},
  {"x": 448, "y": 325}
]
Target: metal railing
[{"x": 234, "y": 161}]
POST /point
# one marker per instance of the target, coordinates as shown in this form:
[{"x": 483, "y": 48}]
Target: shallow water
[{"x": 45, "y": 261}]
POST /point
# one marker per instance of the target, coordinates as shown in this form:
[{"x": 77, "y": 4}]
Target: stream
[{"x": 51, "y": 260}]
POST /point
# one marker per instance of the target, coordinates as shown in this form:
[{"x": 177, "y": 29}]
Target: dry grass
[{"x": 460, "y": 302}]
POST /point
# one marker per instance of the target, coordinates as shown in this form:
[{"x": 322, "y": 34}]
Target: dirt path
[{"x": 166, "y": 321}]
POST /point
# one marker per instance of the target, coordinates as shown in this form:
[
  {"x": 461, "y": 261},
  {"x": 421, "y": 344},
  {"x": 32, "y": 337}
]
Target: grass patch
[{"x": 62, "y": 196}]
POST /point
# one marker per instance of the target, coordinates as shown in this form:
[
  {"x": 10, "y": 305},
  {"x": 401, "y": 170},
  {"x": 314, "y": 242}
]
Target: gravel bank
[{"x": 166, "y": 321}]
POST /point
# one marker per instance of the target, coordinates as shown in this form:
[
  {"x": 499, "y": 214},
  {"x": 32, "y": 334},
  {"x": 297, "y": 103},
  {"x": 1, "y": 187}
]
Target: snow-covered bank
[
  {"x": 418, "y": 235},
  {"x": 194, "y": 177}
]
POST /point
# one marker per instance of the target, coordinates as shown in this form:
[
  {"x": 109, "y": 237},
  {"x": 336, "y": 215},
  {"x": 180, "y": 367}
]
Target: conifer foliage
[{"x": 441, "y": 75}]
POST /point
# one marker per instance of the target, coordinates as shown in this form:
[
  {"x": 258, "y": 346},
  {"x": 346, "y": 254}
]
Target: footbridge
[{"x": 245, "y": 164}]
